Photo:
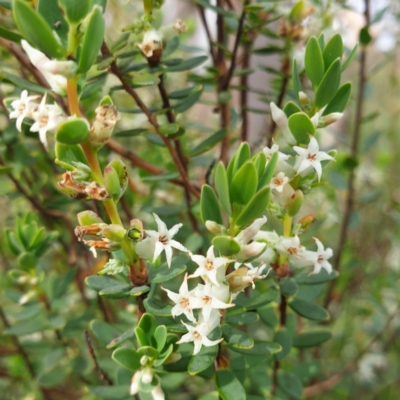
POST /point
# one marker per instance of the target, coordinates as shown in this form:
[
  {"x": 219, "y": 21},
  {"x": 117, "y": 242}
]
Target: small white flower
[
  {"x": 185, "y": 301},
  {"x": 310, "y": 157},
  {"x": 136, "y": 378},
  {"x": 330, "y": 119},
  {"x": 255, "y": 274},
  {"x": 156, "y": 242},
  {"x": 209, "y": 300},
  {"x": 211, "y": 267},
  {"x": 320, "y": 257},
  {"x": 281, "y": 121},
  {"x": 47, "y": 118},
  {"x": 279, "y": 181},
  {"x": 158, "y": 393},
  {"x": 290, "y": 246},
  {"x": 275, "y": 149},
  {"x": 180, "y": 26},
  {"x": 152, "y": 41},
  {"x": 198, "y": 335},
  {"x": 147, "y": 376},
  {"x": 23, "y": 108}
]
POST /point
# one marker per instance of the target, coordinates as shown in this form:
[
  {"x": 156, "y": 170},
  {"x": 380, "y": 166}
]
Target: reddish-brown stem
[
  {"x": 207, "y": 29},
  {"x": 243, "y": 96}
]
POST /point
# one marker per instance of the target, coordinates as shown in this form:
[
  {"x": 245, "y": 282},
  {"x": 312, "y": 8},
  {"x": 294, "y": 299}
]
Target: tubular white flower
[
  {"x": 136, "y": 378},
  {"x": 320, "y": 258},
  {"x": 310, "y": 157},
  {"x": 198, "y": 335},
  {"x": 210, "y": 267},
  {"x": 279, "y": 181},
  {"x": 23, "y": 108},
  {"x": 330, "y": 119},
  {"x": 281, "y": 121},
  {"x": 159, "y": 241},
  {"x": 152, "y": 41},
  {"x": 158, "y": 393},
  {"x": 185, "y": 301},
  {"x": 47, "y": 118},
  {"x": 209, "y": 300}
]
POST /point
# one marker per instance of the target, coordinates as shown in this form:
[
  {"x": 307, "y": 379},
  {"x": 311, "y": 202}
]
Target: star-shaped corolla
[
  {"x": 320, "y": 257},
  {"x": 156, "y": 242},
  {"x": 290, "y": 246},
  {"x": 210, "y": 267},
  {"x": 310, "y": 157},
  {"x": 274, "y": 149},
  {"x": 278, "y": 181},
  {"x": 23, "y": 108},
  {"x": 185, "y": 301},
  {"x": 198, "y": 335},
  {"x": 210, "y": 298}
]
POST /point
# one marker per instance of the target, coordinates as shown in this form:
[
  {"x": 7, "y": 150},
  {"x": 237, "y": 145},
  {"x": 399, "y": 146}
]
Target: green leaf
[
  {"x": 288, "y": 287},
  {"x": 291, "y": 108},
  {"x": 243, "y": 154},
  {"x": 142, "y": 338},
  {"x": 72, "y": 131},
  {"x": 36, "y": 30},
  {"x": 229, "y": 387},
  {"x": 313, "y": 62},
  {"x": 183, "y": 93},
  {"x": 269, "y": 171},
  {"x": 309, "y": 310},
  {"x": 260, "y": 348},
  {"x": 350, "y": 57},
  {"x": 160, "y": 337},
  {"x": 290, "y": 384},
  {"x": 222, "y": 187},
  {"x": 321, "y": 41},
  {"x": 236, "y": 338},
  {"x": 120, "y": 392},
  {"x": 242, "y": 318},
  {"x": 143, "y": 79},
  {"x": 187, "y": 103},
  {"x": 67, "y": 155},
  {"x": 116, "y": 292},
  {"x": 262, "y": 299},
  {"x": 99, "y": 283},
  {"x": 209, "y": 143},
  {"x": 9, "y": 35},
  {"x": 92, "y": 41},
  {"x": 329, "y": 85},
  {"x": 165, "y": 274},
  {"x": 311, "y": 339},
  {"x": 209, "y": 205},
  {"x": 301, "y": 127},
  {"x": 148, "y": 351},
  {"x": 255, "y": 208},
  {"x": 204, "y": 359},
  {"x": 339, "y": 101},
  {"x": 157, "y": 307},
  {"x": 23, "y": 83},
  {"x": 191, "y": 63},
  {"x": 244, "y": 183},
  {"x": 148, "y": 324},
  {"x": 75, "y": 10},
  {"x": 128, "y": 358},
  {"x": 226, "y": 246},
  {"x": 139, "y": 290},
  {"x": 28, "y": 327},
  {"x": 168, "y": 129},
  {"x": 296, "y": 80},
  {"x": 365, "y": 36},
  {"x": 322, "y": 277},
  {"x": 333, "y": 50},
  {"x": 171, "y": 46},
  {"x": 131, "y": 132},
  {"x": 282, "y": 337},
  {"x": 129, "y": 334},
  {"x": 164, "y": 355},
  {"x": 51, "y": 12}
]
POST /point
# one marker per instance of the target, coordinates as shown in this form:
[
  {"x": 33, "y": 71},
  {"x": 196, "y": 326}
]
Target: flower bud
[
  {"x": 180, "y": 26},
  {"x": 144, "y": 360},
  {"x": 103, "y": 126},
  {"x": 303, "y": 98},
  {"x": 295, "y": 202},
  {"x": 239, "y": 280},
  {"x": 147, "y": 376},
  {"x": 115, "y": 233},
  {"x": 306, "y": 221},
  {"x": 158, "y": 393},
  {"x": 152, "y": 46},
  {"x": 135, "y": 382},
  {"x": 90, "y": 230},
  {"x": 329, "y": 119},
  {"x": 67, "y": 69},
  {"x": 136, "y": 230},
  {"x": 213, "y": 227}
]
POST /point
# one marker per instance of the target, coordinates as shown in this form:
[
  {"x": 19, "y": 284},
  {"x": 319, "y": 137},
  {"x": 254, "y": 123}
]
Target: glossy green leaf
[
  {"x": 340, "y": 100},
  {"x": 291, "y": 108},
  {"x": 321, "y": 41},
  {"x": 236, "y": 338},
  {"x": 187, "y": 103},
  {"x": 9, "y": 35},
  {"x": 36, "y": 30},
  {"x": 204, "y": 359},
  {"x": 165, "y": 274},
  {"x": 283, "y": 337},
  {"x": 168, "y": 129},
  {"x": 99, "y": 283},
  {"x": 23, "y": 83},
  {"x": 157, "y": 307},
  {"x": 309, "y": 310},
  {"x": 129, "y": 334},
  {"x": 262, "y": 299},
  {"x": 183, "y": 93},
  {"x": 226, "y": 246},
  {"x": 148, "y": 351},
  {"x": 242, "y": 318},
  {"x": 333, "y": 50},
  {"x": 104, "y": 331},
  {"x": 67, "y": 155},
  {"x": 269, "y": 171},
  {"x": 222, "y": 187},
  {"x": 28, "y": 327},
  {"x": 209, "y": 205},
  {"x": 120, "y": 392},
  {"x": 242, "y": 154},
  {"x": 72, "y": 131},
  {"x": 288, "y": 287},
  {"x": 144, "y": 79},
  {"x": 228, "y": 386},
  {"x": 350, "y": 57},
  {"x": 296, "y": 80},
  {"x": 311, "y": 338},
  {"x": 139, "y": 290},
  {"x": 313, "y": 62},
  {"x": 301, "y": 127},
  {"x": 290, "y": 384},
  {"x": 160, "y": 337},
  {"x": 260, "y": 348},
  {"x": 329, "y": 85},
  {"x": 322, "y": 277},
  {"x": 116, "y": 292},
  {"x": 52, "y": 13},
  {"x": 191, "y": 63},
  {"x": 92, "y": 40},
  {"x": 244, "y": 183},
  {"x": 255, "y": 208},
  {"x": 171, "y": 46},
  {"x": 148, "y": 324},
  {"x": 75, "y": 10},
  {"x": 209, "y": 143},
  {"x": 142, "y": 337},
  {"x": 128, "y": 358}
]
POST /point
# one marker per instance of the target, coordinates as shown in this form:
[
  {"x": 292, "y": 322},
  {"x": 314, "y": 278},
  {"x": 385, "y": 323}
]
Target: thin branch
[
  {"x": 244, "y": 96},
  {"x": 349, "y": 204},
  {"x": 207, "y": 29}
]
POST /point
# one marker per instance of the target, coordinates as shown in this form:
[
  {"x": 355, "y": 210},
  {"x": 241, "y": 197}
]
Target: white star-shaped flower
[
  {"x": 156, "y": 242},
  {"x": 47, "y": 118},
  {"x": 275, "y": 149},
  {"x": 310, "y": 157},
  {"x": 185, "y": 301},
  {"x": 23, "y": 108},
  {"x": 210, "y": 267},
  {"x": 198, "y": 335},
  {"x": 290, "y": 246},
  {"x": 209, "y": 299},
  {"x": 320, "y": 258},
  {"x": 279, "y": 181}
]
